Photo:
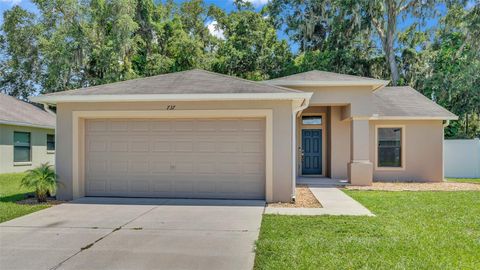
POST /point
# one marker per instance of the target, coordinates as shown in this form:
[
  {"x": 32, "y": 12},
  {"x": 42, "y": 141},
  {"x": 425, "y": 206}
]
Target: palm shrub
[{"x": 42, "y": 179}]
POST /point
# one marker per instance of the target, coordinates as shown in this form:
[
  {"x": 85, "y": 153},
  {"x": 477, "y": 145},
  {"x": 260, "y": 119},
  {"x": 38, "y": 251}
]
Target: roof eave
[
  {"x": 169, "y": 97},
  {"x": 452, "y": 117},
  {"x": 25, "y": 124}
]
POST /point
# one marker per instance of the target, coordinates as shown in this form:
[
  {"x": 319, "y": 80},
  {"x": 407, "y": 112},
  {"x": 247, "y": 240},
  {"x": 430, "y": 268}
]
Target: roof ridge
[
  {"x": 288, "y": 90},
  {"x": 248, "y": 81},
  {"x": 298, "y": 76}
]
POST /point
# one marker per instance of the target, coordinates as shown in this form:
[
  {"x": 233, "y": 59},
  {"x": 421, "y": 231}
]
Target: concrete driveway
[{"x": 114, "y": 233}]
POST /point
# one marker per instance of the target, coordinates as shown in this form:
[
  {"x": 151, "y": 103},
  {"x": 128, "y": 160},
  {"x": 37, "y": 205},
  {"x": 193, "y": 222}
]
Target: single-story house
[
  {"x": 27, "y": 135},
  {"x": 199, "y": 134}
]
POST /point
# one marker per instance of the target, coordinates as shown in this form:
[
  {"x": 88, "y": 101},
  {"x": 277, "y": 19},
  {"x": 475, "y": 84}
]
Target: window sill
[
  {"x": 28, "y": 163},
  {"x": 50, "y": 151},
  {"x": 390, "y": 168}
]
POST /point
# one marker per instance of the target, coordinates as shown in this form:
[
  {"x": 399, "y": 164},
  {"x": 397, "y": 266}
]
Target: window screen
[
  {"x": 389, "y": 147},
  {"x": 50, "y": 142},
  {"x": 21, "y": 147}
]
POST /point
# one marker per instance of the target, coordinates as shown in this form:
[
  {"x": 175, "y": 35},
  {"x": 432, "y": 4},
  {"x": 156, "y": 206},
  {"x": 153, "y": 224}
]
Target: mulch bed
[
  {"x": 33, "y": 201},
  {"x": 304, "y": 198},
  {"x": 406, "y": 186}
]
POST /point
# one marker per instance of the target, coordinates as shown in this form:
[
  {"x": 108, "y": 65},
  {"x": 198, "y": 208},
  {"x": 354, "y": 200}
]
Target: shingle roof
[
  {"x": 405, "y": 101},
  {"x": 317, "y": 76},
  {"x": 20, "y": 113},
  {"x": 186, "y": 82}
]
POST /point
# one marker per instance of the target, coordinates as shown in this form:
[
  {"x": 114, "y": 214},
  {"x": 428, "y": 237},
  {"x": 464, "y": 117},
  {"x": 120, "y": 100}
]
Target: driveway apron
[{"x": 130, "y": 233}]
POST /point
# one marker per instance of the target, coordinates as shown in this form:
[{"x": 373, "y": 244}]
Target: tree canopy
[{"x": 71, "y": 44}]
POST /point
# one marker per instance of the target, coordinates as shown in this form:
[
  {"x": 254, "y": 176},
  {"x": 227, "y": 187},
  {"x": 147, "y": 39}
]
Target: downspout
[
  {"x": 47, "y": 109},
  {"x": 295, "y": 111},
  {"x": 447, "y": 122}
]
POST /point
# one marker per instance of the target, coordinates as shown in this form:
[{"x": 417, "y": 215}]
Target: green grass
[
  {"x": 464, "y": 180},
  {"x": 10, "y": 192},
  {"x": 412, "y": 230}
]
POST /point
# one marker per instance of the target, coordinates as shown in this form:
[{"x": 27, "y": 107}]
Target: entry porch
[{"x": 331, "y": 149}]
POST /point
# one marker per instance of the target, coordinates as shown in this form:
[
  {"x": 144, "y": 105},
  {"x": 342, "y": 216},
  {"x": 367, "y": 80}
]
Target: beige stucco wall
[
  {"x": 282, "y": 136},
  {"x": 423, "y": 149},
  {"x": 340, "y": 144},
  {"x": 423, "y": 152},
  {"x": 39, "y": 154},
  {"x": 424, "y": 138},
  {"x": 358, "y": 97}
]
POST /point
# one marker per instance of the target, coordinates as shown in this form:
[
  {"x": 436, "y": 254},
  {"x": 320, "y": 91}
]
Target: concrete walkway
[
  {"x": 333, "y": 200},
  {"x": 321, "y": 181},
  {"x": 113, "y": 233}
]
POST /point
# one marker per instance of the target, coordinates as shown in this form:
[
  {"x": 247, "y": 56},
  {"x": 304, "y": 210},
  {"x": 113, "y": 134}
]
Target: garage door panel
[
  {"x": 185, "y": 145},
  {"x": 183, "y": 125},
  {"x": 159, "y": 145},
  {"x": 139, "y": 145},
  {"x": 161, "y": 166},
  {"x": 252, "y": 125},
  {"x": 97, "y": 185},
  {"x": 119, "y": 166},
  {"x": 206, "y": 167},
  {"x": 119, "y": 146},
  {"x": 97, "y": 125},
  {"x": 99, "y": 144},
  {"x": 140, "y": 186},
  {"x": 189, "y": 158},
  {"x": 119, "y": 185},
  {"x": 137, "y": 167}
]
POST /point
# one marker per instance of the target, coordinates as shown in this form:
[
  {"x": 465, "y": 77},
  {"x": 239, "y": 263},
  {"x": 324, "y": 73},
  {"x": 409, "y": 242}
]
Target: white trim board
[{"x": 54, "y": 99}]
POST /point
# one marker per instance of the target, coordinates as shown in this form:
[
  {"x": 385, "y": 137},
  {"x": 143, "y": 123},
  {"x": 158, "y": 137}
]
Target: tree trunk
[
  {"x": 391, "y": 30},
  {"x": 393, "y": 67},
  {"x": 41, "y": 197},
  {"x": 466, "y": 125}
]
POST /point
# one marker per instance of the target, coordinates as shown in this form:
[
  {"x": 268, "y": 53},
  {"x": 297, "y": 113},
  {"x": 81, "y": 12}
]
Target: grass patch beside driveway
[
  {"x": 412, "y": 230},
  {"x": 464, "y": 180},
  {"x": 10, "y": 192}
]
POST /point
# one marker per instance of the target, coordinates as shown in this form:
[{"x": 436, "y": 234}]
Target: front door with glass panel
[{"x": 311, "y": 151}]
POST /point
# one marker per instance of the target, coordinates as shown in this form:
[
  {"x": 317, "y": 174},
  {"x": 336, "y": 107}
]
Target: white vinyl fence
[{"x": 462, "y": 158}]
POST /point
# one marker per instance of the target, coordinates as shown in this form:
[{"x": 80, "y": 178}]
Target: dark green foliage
[
  {"x": 72, "y": 44},
  {"x": 42, "y": 180}
]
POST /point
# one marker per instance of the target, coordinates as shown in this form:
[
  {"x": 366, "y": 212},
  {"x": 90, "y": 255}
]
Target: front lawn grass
[
  {"x": 10, "y": 192},
  {"x": 464, "y": 180},
  {"x": 412, "y": 230}
]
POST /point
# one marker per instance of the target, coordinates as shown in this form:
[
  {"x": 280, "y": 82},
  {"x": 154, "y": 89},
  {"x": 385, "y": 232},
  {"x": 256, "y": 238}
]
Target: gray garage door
[{"x": 188, "y": 158}]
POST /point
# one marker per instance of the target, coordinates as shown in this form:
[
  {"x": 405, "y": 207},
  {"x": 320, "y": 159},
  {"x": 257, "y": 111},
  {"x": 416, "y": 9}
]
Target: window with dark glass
[
  {"x": 50, "y": 142},
  {"x": 390, "y": 147},
  {"x": 21, "y": 147},
  {"x": 311, "y": 120}
]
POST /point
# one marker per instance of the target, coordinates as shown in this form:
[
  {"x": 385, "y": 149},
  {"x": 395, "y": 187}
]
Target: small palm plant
[{"x": 42, "y": 179}]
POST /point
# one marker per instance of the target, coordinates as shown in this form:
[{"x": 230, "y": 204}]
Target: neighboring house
[
  {"x": 198, "y": 134},
  {"x": 27, "y": 135}
]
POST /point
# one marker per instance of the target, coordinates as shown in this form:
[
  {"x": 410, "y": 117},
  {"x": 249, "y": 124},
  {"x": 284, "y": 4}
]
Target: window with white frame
[
  {"x": 312, "y": 120},
  {"x": 21, "y": 147},
  {"x": 50, "y": 142},
  {"x": 389, "y": 147}
]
